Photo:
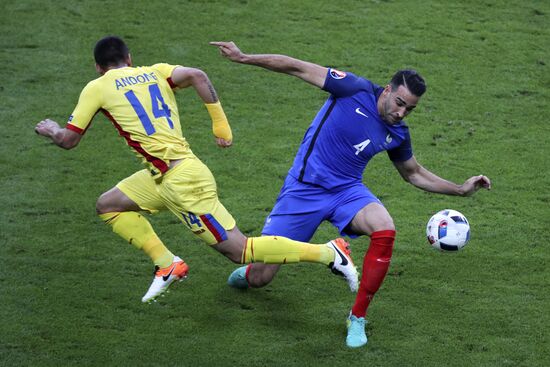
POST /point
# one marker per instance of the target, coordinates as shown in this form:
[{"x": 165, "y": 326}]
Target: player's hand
[
  {"x": 46, "y": 127},
  {"x": 475, "y": 183},
  {"x": 222, "y": 143},
  {"x": 229, "y": 50}
]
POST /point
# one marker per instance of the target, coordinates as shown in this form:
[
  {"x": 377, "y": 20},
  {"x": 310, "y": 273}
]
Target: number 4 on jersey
[
  {"x": 361, "y": 146},
  {"x": 191, "y": 219},
  {"x": 156, "y": 98}
]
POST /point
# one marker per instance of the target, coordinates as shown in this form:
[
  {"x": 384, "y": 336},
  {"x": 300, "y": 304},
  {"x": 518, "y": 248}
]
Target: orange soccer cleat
[{"x": 164, "y": 277}]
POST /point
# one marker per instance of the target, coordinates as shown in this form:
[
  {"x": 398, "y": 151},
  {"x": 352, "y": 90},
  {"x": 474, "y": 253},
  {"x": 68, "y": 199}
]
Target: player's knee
[
  {"x": 371, "y": 222},
  {"x": 385, "y": 224},
  {"x": 233, "y": 254},
  {"x": 233, "y": 246},
  {"x": 235, "y": 258},
  {"x": 101, "y": 205}
]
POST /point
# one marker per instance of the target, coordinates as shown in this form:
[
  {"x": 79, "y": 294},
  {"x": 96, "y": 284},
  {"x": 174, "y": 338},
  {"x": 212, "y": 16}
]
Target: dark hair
[
  {"x": 110, "y": 51},
  {"x": 411, "y": 80}
]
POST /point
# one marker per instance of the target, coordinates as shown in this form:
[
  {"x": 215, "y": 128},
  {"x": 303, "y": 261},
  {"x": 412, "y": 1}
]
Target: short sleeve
[
  {"x": 402, "y": 152},
  {"x": 343, "y": 84},
  {"x": 89, "y": 103},
  {"x": 165, "y": 72}
]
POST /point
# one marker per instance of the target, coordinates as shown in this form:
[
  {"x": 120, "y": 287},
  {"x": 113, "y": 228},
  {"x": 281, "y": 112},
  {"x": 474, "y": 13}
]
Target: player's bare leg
[{"x": 115, "y": 200}]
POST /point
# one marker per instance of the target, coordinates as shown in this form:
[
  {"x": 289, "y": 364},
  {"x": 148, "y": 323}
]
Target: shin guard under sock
[{"x": 375, "y": 266}]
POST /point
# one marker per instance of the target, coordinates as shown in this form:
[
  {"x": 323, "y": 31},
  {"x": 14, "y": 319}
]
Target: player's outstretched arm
[
  {"x": 415, "y": 174},
  {"x": 307, "y": 71},
  {"x": 185, "y": 77},
  {"x": 62, "y": 137}
]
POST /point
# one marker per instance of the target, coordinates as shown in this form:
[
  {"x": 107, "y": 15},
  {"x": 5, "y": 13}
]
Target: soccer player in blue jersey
[{"x": 358, "y": 120}]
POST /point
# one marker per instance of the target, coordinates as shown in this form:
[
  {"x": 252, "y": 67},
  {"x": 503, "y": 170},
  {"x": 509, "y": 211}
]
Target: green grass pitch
[{"x": 70, "y": 289}]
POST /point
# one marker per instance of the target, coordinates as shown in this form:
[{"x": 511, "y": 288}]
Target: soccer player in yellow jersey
[{"x": 140, "y": 103}]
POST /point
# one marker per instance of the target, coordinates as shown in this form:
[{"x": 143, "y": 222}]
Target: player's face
[{"x": 395, "y": 105}]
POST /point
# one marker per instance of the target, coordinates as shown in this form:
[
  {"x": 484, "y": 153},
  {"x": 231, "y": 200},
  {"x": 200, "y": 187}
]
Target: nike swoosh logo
[
  {"x": 344, "y": 260},
  {"x": 165, "y": 277},
  {"x": 358, "y": 110}
]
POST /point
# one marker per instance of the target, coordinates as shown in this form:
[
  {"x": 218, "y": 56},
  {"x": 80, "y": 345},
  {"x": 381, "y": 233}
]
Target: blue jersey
[{"x": 346, "y": 133}]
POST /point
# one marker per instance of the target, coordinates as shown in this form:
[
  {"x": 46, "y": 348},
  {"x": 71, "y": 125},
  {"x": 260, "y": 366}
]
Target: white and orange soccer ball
[{"x": 448, "y": 230}]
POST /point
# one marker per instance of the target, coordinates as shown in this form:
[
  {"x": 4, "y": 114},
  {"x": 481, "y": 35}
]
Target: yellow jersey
[{"x": 140, "y": 103}]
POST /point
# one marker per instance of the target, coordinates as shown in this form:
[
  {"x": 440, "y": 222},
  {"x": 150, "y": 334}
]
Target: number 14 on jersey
[{"x": 156, "y": 99}]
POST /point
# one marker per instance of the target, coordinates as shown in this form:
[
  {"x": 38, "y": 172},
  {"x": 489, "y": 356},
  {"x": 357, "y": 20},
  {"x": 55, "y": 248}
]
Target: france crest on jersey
[{"x": 346, "y": 133}]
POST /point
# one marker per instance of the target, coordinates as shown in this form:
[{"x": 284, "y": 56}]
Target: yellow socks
[
  {"x": 137, "y": 230},
  {"x": 282, "y": 250}
]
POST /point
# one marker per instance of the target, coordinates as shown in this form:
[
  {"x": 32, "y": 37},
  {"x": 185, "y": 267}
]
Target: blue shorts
[{"x": 300, "y": 209}]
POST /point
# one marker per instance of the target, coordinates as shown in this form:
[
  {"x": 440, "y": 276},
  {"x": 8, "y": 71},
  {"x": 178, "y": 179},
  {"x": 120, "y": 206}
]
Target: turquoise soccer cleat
[
  {"x": 356, "y": 332},
  {"x": 237, "y": 279}
]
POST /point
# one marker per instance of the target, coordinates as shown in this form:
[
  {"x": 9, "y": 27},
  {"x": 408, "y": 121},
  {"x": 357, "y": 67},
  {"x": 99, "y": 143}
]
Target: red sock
[
  {"x": 247, "y": 271},
  {"x": 375, "y": 266}
]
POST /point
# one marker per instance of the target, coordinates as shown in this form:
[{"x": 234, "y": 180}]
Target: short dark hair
[
  {"x": 411, "y": 80},
  {"x": 110, "y": 51}
]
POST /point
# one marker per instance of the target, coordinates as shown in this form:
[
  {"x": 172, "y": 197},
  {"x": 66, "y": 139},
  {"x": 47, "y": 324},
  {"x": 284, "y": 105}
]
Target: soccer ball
[{"x": 448, "y": 230}]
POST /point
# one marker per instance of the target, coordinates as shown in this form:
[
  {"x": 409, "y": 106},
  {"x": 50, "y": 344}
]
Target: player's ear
[
  {"x": 129, "y": 60},
  {"x": 99, "y": 69}
]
